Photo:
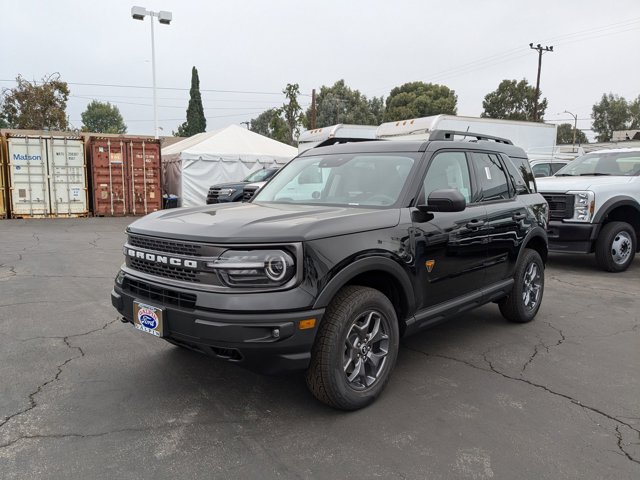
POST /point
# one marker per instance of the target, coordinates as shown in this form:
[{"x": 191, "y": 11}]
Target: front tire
[
  {"x": 616, "y": 247},
  {"x": 355, "y": 349},
  {"x": 523, "y": 303}
]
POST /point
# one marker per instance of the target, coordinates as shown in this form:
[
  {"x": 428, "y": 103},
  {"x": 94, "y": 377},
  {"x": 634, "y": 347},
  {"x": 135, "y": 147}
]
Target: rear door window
[{"x": 492, "y": 178}]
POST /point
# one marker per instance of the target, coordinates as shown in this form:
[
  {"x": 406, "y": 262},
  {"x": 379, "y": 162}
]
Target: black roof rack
[
  {"x": 450, "y": 134},
  {"x": 334, "y": 140}
]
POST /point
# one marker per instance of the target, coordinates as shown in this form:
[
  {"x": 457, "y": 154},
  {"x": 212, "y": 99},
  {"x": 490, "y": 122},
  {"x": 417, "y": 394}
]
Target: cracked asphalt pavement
[{"x": 85, "y": 396}]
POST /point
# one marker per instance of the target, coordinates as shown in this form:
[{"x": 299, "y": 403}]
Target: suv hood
[
  {"x": 229, "y": 185},
  {"x": 262, "y": 223},
  {"x": 564, "y": 184}
]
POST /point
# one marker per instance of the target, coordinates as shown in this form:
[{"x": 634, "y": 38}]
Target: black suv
[
  {"x": 234, "y": 191},
  {"x": 347, "y": 249}
]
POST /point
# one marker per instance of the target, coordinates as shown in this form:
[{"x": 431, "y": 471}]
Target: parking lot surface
[{"x": 85, "y": 396}]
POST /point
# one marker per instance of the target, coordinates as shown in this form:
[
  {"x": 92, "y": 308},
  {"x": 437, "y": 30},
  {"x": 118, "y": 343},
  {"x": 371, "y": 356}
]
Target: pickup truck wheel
[
  {"x": 355, "y": 349},
  {"x": 616, "y": 246},
  {"x": 524, "y": 301}
]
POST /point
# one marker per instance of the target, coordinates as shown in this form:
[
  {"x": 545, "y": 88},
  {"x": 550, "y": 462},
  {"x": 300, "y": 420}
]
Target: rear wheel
[
  {"x": 616, "y": 247},
  {"x": 524, "y": 301},
  {"x": 355, "y": 350}
]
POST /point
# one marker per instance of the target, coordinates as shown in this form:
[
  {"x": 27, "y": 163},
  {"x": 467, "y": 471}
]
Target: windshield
[
  {"x": 349, "y": 179},
  {"x": 610, "y": 163},
  {"x": 260, "y": 175}
]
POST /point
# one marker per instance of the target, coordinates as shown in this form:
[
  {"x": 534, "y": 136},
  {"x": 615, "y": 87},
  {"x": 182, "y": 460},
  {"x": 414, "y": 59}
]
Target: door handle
[
  {"x": 474, "y": 224},
  {"x": 519, "y": 216}
]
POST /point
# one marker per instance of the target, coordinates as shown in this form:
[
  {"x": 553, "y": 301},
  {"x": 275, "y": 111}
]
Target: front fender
[{"x": 364, "y": 265}]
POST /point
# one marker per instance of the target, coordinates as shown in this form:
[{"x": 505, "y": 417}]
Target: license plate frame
[{"x": 148, "y": 318}]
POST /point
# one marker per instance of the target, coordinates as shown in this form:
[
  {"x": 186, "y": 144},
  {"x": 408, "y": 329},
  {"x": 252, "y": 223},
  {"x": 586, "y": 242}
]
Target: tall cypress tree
[{"x": 196, "y": 122}]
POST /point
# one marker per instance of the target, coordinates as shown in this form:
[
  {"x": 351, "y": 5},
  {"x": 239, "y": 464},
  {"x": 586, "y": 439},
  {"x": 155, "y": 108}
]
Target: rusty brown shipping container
[{"x": 125, "y": 173}]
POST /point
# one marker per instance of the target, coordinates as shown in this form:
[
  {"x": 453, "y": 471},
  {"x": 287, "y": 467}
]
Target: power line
[
  {"x": 181, "y": 107},
  {"x": 520, "y": 52},
  {"x": 113, "y": 85}
]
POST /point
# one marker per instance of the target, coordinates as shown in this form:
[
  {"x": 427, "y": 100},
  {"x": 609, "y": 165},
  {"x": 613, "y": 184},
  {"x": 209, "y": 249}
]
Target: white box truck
[
  {"x": 310, "y": 138},
  {"x": 527, "y": 135}
]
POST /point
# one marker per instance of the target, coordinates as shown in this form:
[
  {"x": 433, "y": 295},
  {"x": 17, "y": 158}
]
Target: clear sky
[{"x": 261, "y": 45}]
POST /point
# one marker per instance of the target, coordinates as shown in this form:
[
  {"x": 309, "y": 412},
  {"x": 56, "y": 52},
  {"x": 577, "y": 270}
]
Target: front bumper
[
  {"x": 266, "y": 341},
  {"x": 571, "y": 237}
]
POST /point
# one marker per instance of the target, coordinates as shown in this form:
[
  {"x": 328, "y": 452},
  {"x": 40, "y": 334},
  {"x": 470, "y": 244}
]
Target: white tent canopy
[{"x": 228, "y": 154}]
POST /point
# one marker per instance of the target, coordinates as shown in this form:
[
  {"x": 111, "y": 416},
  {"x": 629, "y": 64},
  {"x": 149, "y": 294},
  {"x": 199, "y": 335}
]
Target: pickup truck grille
[
  {"x": 248, "y": 193},
  {"x": 560, "y": 205}
]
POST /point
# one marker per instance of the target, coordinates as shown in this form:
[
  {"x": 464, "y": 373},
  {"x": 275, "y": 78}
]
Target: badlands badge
[{"x": 147, "y": 318}]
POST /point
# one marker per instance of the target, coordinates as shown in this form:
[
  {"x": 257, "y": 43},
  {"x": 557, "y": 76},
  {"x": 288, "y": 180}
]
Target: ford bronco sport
[{"x": 396, "y": 237}]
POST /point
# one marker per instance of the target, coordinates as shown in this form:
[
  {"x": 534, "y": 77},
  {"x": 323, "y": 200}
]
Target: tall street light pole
[
  {"x": 540, "y": 49},
  {"x": 138, "y": 13},
  {"x": 575, "y": 128}
]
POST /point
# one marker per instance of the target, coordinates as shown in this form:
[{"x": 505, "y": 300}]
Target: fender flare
[
  {"x": 363, "y": 265},
  {"x": 536, "y": 232},
  {"x": 608, "y": 206}
]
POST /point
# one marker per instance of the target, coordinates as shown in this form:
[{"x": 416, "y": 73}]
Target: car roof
[
  {"x": 616, "y": 150},
  {"x": 549, "y": 160},
  {"x": 388, "y": 146}
]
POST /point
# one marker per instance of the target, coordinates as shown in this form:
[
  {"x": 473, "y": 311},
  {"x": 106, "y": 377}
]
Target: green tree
[
  {"x": 564, "y": 135},
  {"x": 634, "y": 113},
  {"x": 419, "y": 99},
  {"x": 611, "y": 113},
  {"x": 196, "y": 121},
  {"x": 341, "y": 104},
  {"x": 37, "y": 105},
  {"x": 270, "y": 124},
  {"x": 291, "y": 113},
  {"x": 513, "y": 100},
  {"x": 102, "y": 117}
]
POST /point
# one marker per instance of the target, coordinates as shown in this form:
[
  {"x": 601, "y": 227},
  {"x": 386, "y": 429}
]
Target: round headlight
[{"x": 275, "y": 267}]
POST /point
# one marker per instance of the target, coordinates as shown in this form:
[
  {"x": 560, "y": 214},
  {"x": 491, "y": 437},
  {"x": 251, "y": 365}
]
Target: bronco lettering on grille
[{"x": 163, "y": 259}]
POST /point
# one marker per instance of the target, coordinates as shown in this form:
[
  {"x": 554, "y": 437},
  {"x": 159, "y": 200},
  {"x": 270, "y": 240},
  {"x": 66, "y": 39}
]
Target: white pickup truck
[{"x": 594, "y": 204}]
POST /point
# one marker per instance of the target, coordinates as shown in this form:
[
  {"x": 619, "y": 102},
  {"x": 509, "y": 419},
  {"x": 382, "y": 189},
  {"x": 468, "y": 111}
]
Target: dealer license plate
[{"x": 147, "y": 318}]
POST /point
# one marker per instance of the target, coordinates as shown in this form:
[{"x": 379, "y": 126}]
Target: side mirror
[
  {"x": 444, "y": 200},
  {"x": 539, "y": 174}
]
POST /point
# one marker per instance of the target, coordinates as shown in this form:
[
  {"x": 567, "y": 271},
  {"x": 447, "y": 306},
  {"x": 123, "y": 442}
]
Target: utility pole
[
  {"x": 312, "y": 120},
  {"x": 540, "y": 49}
]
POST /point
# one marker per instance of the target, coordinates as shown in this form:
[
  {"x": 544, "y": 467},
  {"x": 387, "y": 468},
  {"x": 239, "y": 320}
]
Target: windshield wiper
[
  {"x": 599, "y": 174},
  {"x": 564, "y": 175}
]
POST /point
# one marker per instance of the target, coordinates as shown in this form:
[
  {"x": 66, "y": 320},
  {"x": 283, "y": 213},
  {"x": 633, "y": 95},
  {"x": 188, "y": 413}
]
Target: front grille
[
  {"x": 248, "y": 193},
  {"x": 163, "y": 296},
  {"x": 213, "y": 195},
  {"x": 560, "y": 205},
  {"x": 167, "y": 246},
  {"x": 162, "y": 270}
]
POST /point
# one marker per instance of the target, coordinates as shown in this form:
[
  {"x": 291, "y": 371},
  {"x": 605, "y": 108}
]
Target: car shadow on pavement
[{"x": 237, "y": 393}]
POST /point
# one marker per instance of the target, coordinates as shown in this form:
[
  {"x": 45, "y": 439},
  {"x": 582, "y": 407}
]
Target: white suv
[{"x": 594, "y": 203}]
